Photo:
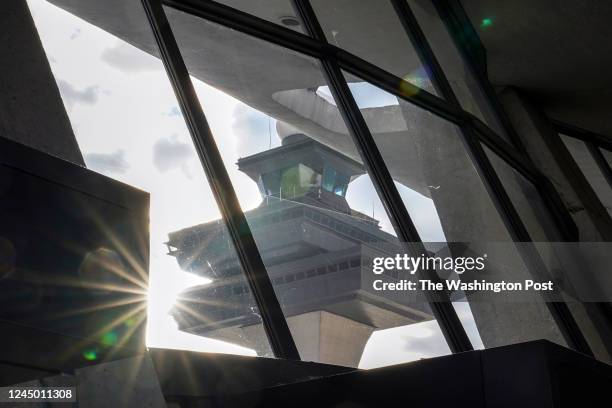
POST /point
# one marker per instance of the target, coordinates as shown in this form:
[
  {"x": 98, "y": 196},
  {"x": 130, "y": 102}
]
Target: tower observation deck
[{"x": 318, "y": 253}]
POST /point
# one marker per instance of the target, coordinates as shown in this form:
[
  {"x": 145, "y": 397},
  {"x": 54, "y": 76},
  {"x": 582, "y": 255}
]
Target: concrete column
[
  {"x": 328, "y": 338},
  {"x": 320, "y": 336},
  {"x": 442, "y": 169},
  {"x": 31, "y": 108},
  {"x": 549, "y": 154}
]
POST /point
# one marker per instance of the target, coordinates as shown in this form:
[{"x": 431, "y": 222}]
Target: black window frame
[
  {"x": 594, "y": 142},
  {"x": 334, "y": 60}
]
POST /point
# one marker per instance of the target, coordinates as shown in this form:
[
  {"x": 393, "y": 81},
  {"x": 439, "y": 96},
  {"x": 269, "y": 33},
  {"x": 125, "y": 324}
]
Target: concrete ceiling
[
  {"x": 557, "y": 54},
  {"x": 273, "y": 80},
  {"x": 559, "y": 51}
]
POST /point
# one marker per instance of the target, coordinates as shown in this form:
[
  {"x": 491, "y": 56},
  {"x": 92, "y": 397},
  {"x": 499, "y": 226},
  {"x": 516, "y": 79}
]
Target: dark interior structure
[{"x": 74, "y": 243}]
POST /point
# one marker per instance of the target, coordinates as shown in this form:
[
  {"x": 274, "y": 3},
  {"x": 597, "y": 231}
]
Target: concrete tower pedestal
[{"x": 320, "y": 336}]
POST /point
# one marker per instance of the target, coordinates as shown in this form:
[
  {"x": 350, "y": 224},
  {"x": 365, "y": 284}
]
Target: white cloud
[
  {"x": 424, "y": 341},
  {"x": 173, "y": 112},
  {"x": 107, "y": 162},
  {"x": 170, "y": 153},
  {"x": 75, "y": 34},
  {"x": 402, "y": 344},
  {"x": 72, "y": 96},
  {"x": 254, "y": 131},
  {"x": 127, "y": 58}
]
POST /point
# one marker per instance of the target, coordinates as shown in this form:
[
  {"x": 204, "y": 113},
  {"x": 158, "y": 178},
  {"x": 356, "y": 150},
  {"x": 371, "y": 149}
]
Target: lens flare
[
  {"x": 109, "y": 338},
  {"x": 486, "y": 23},
  {"x": 90, "y": 354},
  {"x": 408, "y": 89}
]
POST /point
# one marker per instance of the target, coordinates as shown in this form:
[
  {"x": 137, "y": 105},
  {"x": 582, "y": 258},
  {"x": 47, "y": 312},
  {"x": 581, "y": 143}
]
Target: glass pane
[
  {"x": 133, "y": 132},
  {"x": 590, "y": 169},
  {"x": 527, "y": 201},
  {"x": 311, "y": 205},
  {"x": 462, "y": 80},
  {"x": 542, "y": 229},
  {"x": 280, "y": 12},
  {"x": 371, "y": 30},
  {"x": 449, "y": 203}
]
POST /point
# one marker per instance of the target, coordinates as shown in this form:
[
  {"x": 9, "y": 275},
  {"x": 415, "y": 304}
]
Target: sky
[{"x": 129, "y": 127}]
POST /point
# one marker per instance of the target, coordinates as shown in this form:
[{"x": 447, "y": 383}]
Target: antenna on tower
[{"x": 269, "y": 134}]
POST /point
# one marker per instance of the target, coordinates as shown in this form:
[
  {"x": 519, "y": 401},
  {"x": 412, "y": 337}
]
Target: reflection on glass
[
  {"x": 448, "y": 202},
  {"x": 527, "y": 201},
  {"x": 133, "y": 132},
  {"x": 427, "y": 159},
  {"x": 541, "y": 228},
  {"x": 462, "y": 80},
  {"x": 312, "y": 209},
  {"x": 371, "y": 30},
  {"x": 590, "y": 169}
]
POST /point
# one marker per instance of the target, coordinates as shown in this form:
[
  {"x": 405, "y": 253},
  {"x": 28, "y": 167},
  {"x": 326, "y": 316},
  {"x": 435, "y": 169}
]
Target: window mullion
[
  {"x": 601, "y": 161},
  {"x": 420, "y": 44},
  {"x": 452, "y": 21},
  {"x": 295, "y": 41},
  {"x": 442, "y": 309},
  {"x": 272, "y": 316},
  {"x": 518, "y": 232}
]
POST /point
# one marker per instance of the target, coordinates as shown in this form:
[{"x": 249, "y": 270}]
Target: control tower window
[
  {"x": 290, "y": 182},
  {"x": 334, "y": 182}
]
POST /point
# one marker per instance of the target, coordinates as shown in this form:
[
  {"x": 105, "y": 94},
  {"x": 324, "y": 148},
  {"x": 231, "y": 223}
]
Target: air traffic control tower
[{"x": 318, "y": 253}]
